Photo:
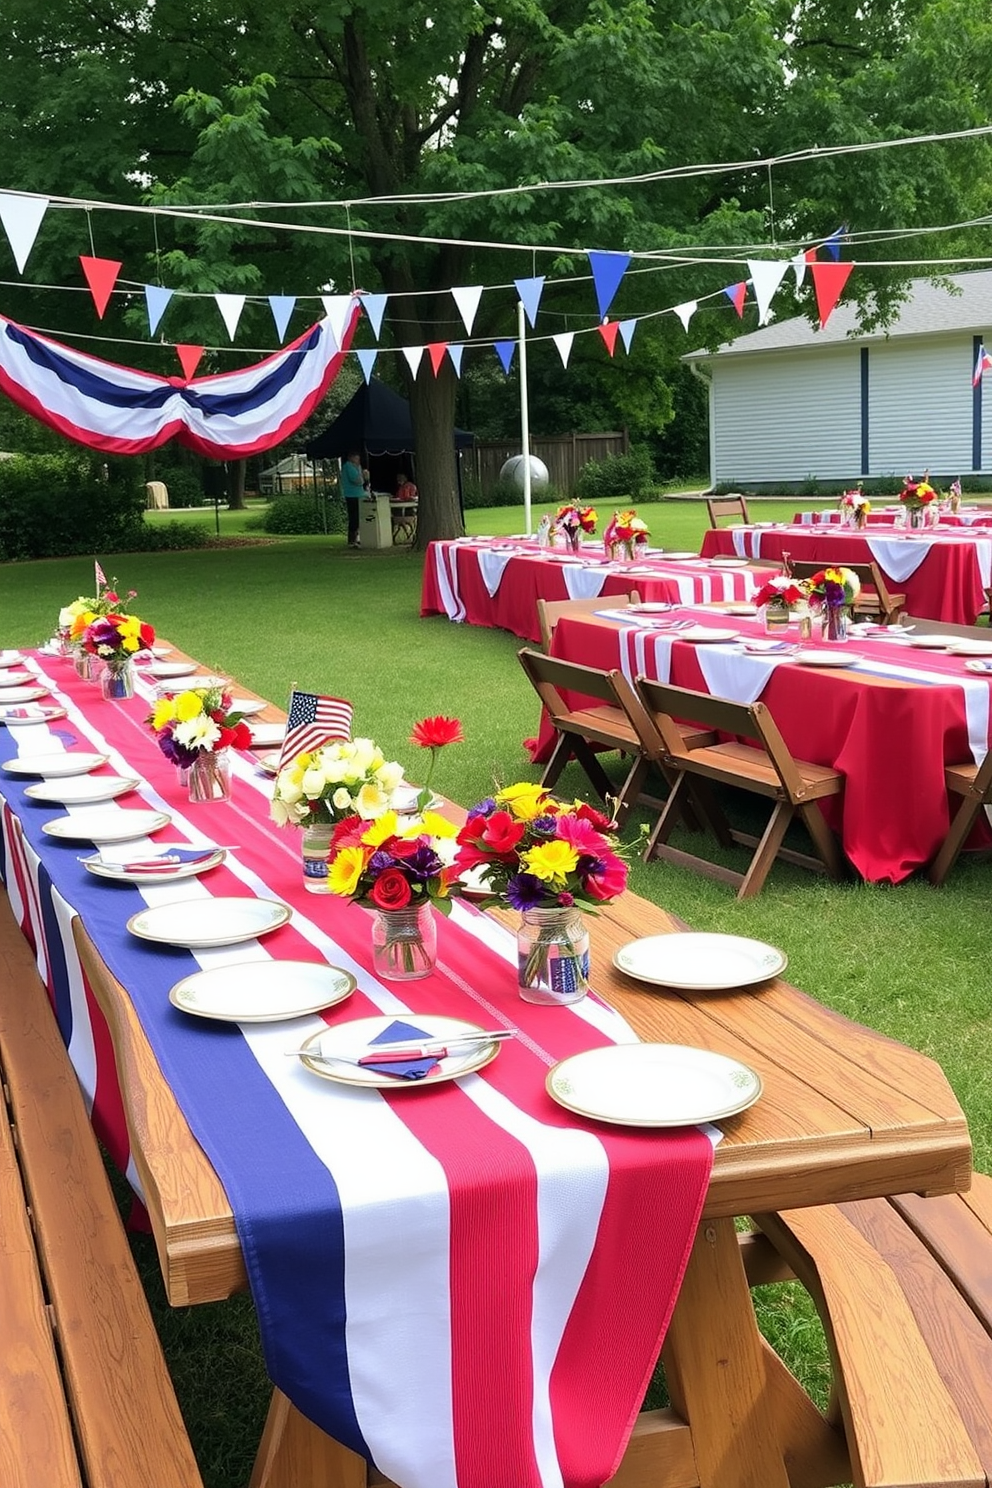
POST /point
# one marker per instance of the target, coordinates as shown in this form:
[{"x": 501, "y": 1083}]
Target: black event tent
[{"x": 377, "y": 421}]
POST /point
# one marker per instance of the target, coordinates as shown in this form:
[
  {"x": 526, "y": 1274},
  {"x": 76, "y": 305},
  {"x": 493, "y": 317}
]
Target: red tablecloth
[
  {"x": 886, "y": 517},
  {"x": 890, "y": 736},
  {"x": 454, "y": 585},
  {"x": 946, "y": 586}
]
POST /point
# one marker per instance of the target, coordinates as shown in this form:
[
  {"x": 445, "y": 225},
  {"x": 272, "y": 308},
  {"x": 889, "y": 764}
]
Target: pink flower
[{"x": 582, "y": 835}]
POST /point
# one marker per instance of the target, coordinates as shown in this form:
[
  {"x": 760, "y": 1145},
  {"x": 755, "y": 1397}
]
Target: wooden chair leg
[
  {"x": 962, "y": 824},
  {"x": 711, "y": 811},
  {"x": 598, "y": 778},
  {"x": 766, "y": 851},
  {"x": 824, "y": 840},
  {"x": 560, "y": 756},
  {"x": 674, "y": 807}
]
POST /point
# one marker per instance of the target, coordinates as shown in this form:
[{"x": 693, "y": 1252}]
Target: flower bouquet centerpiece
[
  {"x": 400, "y": 870},
  {"x": 76, "y": 618},
  {"x": 920, "y": 500},
  {"x": 854, "y": 507},
  {"x": 954, "y": 495},
  {"x": 549, "y": 861},
  {"x": 625, "y": 534},
  {"x": 194, "y": 730},
  {"x": 346, "y": 778},
  {"x": 571, "y": 521},
  {"x": 833, "y": 591},
  {"x": 782, "y": 599},
  {"x": 116, "y": 639}
]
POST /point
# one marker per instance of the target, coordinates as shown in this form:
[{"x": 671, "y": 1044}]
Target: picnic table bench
[{"x": 85, "y": 1395}]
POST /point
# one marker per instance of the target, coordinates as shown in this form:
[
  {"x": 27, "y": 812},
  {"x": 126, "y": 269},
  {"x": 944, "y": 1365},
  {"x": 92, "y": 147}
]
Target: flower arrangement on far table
[
  {"x": 855, "y": 506},
  {"x": 116, "y": 638},
  {"x": 194, "y": 729},
  {"x": 920, "y": 499},
  {"x": 345, "y": 778},
  {"x": 834, "y": 590},
  {"x": 548, "y": 860},
  {"x": 626, "y": 532},
  {"x": 572, "y": 521}
]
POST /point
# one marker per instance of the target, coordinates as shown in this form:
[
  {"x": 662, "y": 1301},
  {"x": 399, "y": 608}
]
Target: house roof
[{"x": 930, "y": 308}]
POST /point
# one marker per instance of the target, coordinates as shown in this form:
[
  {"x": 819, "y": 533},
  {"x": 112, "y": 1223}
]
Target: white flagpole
[{"x": 524, "y": 413}]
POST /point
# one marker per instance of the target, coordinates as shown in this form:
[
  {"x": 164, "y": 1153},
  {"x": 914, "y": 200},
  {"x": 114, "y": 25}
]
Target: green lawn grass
[{"x": 910, "y": 961}]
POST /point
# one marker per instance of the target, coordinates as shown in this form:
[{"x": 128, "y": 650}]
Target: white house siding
[
  {"x": 788, "y": 415},
  {"x": 920, "y": 405}
]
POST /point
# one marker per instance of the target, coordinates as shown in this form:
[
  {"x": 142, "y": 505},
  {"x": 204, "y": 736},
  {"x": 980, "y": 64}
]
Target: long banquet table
[
  {"x": 889, "y": 722},
  {"x": 845, "y": 1114},
  {"x": 892, "y": 516},
  {"x": 944, "y": 575},
  {"x": 497, "y": 584}
]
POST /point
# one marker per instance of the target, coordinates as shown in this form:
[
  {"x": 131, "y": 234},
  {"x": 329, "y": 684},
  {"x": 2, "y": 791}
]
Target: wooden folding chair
[
  {"x": 974, "y": 785},
  {"x": 579, "y": 729},
  {"x": 727, "y": 506},
  {"x": 875, "y": 600},
  {"x": 550, "y": 611},
  {"x": 765, "y": 768}
]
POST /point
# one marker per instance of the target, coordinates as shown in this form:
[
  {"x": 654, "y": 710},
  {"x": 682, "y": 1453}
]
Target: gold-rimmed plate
[
  {"x": 262, "y": 991},
  {"x": 700, "y": 961},
  {"x": 332, "y": 1052},
  {"x": 82, "y": 790},
  {"x": 110, "y": 825},
  {"x": 199, "y": 924},
  {"x": 653, "y": 1085},
  {"x": 54, "y": 766}
]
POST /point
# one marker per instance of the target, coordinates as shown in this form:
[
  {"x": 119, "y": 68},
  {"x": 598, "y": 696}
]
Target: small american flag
[
  {"x": 313, "y": 720},
  {"x": 101, "y": 577},
  {"x": 982, "y": 364}
]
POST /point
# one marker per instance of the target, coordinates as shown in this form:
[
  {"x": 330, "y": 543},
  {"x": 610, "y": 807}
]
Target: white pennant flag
[
  {"x": 230, "y": 306},
  {"x": 413, "y": 355},
  {"x": 366, "y": 360},
  {"x": 467, "y": 299},
  {"x": 563, "y": 341},
  {"x": 337, "y": 308},
  {"x": 21, "y": 217},
  {"x": 766, "y": 276},
  {"x": 799, "y": 265},
  {"x": 685, "y": 312}
]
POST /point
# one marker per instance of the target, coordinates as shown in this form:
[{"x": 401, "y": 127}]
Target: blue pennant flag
[
  {"x": 375, "y": 308},
  {"x": 505, "y": 350},
  {"x": 832, "y": 244},
  {"x": 156, "y": 300},
  {"x": 455, "y": 353},
  {"x": 366, "y": 360},
  {"x": 607, "y": 271},
  {"x": 282, "y": 307},
  {"x": 626, "y": 329},
  {"x": 529, "y": 291}
]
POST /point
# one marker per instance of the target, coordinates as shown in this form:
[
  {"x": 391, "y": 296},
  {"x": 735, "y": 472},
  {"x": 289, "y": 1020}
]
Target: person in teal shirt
[{"x": 352, "y": 489}]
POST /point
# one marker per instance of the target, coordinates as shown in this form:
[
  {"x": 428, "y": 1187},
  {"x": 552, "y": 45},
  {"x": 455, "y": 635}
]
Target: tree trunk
[
  {"x": 236, "y": 484},
  {"x": 432, "y": 404}
]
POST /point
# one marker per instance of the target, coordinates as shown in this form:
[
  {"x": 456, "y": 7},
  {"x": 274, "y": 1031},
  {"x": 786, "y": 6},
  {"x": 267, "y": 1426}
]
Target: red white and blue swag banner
[
  {"x": 126, "y": 412},
  {"x": 467, "y": 1285}
]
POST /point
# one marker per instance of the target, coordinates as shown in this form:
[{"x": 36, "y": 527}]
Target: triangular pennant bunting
[
  {"x": 529, "y": 291},
  {"x": 627, "y": 329},
  {"x": 736, "y": 294},
  {"x": 828, "y": 282},
  {"x": 156, "y": 300},
  {"x": 455, "y": 353},
  {"x": 799, "y": 267},
  {"x": 337, "y": 308},
  {"x": 21, "y": 217},
  {"x": 607, "y": 271},
  {"x": 563, "y": 342},
  {"x": 375, "y": 308},
  {"x": 766, "y": 276},
  {"x": 189, "y": 359},
  {"x": 101, "y": 276},
  {"x": 685, "y": 312},
  {"x": 467, "y": 297},
  {"x": 413, "y": 355},
  {"x": 366, "y": 360},
  {"x": 282, "y": 307},
  {"x": 504, "y": 350},
  {"x": 436, "y": 350},
  {"x": 608, "y": 331},
  {"x": 832, "y": 244},
  {"x": 230, "y": 307}
]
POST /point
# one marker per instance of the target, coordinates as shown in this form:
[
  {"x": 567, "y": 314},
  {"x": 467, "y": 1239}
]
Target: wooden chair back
[
  {"x": 727, "y": 506},
  {"x": 872, "y": 582},
  {"x": 550, "y": 611}
]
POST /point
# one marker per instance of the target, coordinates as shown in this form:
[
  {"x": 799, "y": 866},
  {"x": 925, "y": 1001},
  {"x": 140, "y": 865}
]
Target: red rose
[
  {"x": 502, "y": 833},
  {"x": 474, "y": 829},
  {"x": 391, "y": 890},
  {"x": 403, "y": 847},
  {"x": 147, "y": 634},
  {"x": 434, "y": 733}
]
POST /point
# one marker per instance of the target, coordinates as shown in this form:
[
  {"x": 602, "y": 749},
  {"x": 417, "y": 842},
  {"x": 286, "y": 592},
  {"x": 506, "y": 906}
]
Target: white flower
[
  {"x": 371, "y": 802},
  {"x": 335, "y": 770},
  {"x": 446, "y": 849},
  {"x": 282, "y": 812},
  {"x": 198, "y": 733},
  {"x": 389, "y": 775},
  {"x": 313, "y": 782},
  {"x": 363, "y": 755},
  {"x": 341, "y": 799},
  {"x": 288, "y": 786}
]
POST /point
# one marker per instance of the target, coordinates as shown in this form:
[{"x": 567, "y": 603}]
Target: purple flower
[
  {"x": 524, "y": 891},
  {"x": 424, "y": 864},
  {"x": 177, "y": 753},
  {"x": 484, "y": 808},
  {"x": 565, "y": 899},
  {"x": 544, "y": 826},
  {"x": 380, "y": 861}
]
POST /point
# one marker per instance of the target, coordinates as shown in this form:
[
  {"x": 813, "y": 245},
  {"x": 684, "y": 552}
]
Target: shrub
[
  {"x": 506, "y": 493},
  {"x": 184, "y": 485},
  {"x": 304, "y": 515},
  {"x": 172, "y": 537},
  {"x": 52, "y": 506},
  {"x": 618, "y": 478}
]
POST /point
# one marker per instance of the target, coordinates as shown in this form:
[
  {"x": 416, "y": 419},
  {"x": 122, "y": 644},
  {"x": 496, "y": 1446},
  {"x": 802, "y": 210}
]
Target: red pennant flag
[
  {"x": 189, "y": 359},
  {"x": 436, "y": 350},
  {"x": 101, "y": 276},
  {"x": 810, "y": 255},
  {"x": 736, "y": 294},
  {"x": 828, "y": 282},
  {"x": 608, "y": 331}
]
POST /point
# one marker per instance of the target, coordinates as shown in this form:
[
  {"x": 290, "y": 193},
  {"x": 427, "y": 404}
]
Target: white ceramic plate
[
  {"x": 198, "y": 923},
  {"x": 248, "y": 706},
  {"x": 730, "y": 562},
  {"x": 983, "y": 667},
  {"x": 14, "y": 677},
  {"x": 404, "y": 800},
  {"x": 350, "y": 1041},
  {"x": 54, "y": 766},
  {"x": 10, "y": 658},
  {"x": 159, "y": 651},
  {"x": 675, "y": 557},
  {"x": 268, "y": 762},
  {"x": 82, "y": 790},
  {"x": 12, "y": 714},
  {"x": 169, "y": 871},
  {"x": 965, "y": 646},
  {"x": 826, "y": 659},
  {"x": 166, "y": 669},
  {"x": 106, "y": 826},
  {"x": 262, "y": 991},
  {"x": 653, "y": 1085},
  {"x": 930, "y": 642},
  {"x": 661, "y": 607},
  {"x": 703, "y": 633},
  {"x": 696, "y": 961},
  {"x": 735, "y": 608},
  {"x": 264, "y": 735},
  {"x": 11, "y": 695}
]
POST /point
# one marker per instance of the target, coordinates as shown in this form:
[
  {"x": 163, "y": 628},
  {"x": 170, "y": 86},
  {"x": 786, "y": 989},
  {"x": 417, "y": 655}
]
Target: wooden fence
[{"x": 563, "y": 454}]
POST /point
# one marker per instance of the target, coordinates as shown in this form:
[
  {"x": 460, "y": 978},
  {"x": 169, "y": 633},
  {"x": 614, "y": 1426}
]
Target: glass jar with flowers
[
  {"x": 195, "y": 729},
  {"x": 571, "y": 521},
  {"x": 832, "y": 592},
  {"x": 854, "y": 508},
  {"x": 920, "y": 501},
  {"x": 780, "y": 600},
  {"x": 115, "y": 639},
  {"x": 549, "y": 861},
  {"x": 345, "y": 778},
  {"x": 625, "y": 533},
  {"x": 954, "y": 496},
  {"x": 401, "y": 870}
]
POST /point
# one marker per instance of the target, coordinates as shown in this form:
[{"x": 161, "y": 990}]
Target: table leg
[{"x": 294, "y": 1453}]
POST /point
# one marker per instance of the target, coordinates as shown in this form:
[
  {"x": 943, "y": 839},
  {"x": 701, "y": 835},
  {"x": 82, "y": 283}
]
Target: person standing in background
[{"x": 352, "y": 489}]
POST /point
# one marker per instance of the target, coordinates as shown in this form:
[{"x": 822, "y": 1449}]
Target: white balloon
[{"x": 513, "y": 470}]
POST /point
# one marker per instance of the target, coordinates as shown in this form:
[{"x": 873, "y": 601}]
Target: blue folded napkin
[{"x": 399, "y": 1032}]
